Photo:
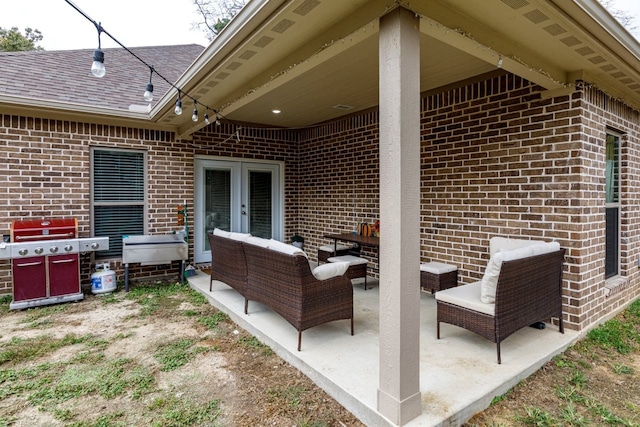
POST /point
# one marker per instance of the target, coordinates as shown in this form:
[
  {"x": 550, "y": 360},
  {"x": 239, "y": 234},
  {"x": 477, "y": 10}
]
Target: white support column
[{"x": 399, "y": 398}]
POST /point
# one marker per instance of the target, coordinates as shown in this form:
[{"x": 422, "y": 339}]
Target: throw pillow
[{"x": 329, "y": 270}]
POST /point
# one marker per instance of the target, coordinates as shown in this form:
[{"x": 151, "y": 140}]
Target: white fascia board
[
  {"x": 242, "y": 22},
  {"x": 599, "y": 13}
]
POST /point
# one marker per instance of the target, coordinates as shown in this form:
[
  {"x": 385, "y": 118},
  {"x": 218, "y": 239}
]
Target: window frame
[{"x": 617, "y": 204}]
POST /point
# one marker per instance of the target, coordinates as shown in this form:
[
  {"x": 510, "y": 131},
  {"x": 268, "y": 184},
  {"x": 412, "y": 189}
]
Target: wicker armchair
[
  {"x": 228, "y": 263},
  {"x": 285, "y": 284},
  {"x": 529, "y": 290}
]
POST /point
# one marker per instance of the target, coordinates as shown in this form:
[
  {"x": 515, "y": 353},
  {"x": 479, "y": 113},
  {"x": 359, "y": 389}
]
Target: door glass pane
[
  {"x": 260, "y": 197},
  {"x": 217, "y": 202}
]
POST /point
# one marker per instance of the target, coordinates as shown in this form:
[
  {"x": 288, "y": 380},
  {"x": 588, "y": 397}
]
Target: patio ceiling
[{"x": 316, "y": 60}]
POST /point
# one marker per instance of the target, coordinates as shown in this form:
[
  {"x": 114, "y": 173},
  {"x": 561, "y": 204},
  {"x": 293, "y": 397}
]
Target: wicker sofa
[
  {"x": 528, "y": 289},
  {"x": 228, "y": 263},
  {"x": 282, "y": 280}
]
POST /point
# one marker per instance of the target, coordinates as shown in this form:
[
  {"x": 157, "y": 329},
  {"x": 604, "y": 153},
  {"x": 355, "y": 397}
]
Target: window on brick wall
[
  {"x": 612, "y": 206},
  {"x": 118, "y": 195}
]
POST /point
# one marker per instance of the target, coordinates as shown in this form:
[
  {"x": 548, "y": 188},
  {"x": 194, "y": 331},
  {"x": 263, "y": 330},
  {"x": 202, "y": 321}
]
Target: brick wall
[
  {"x": 45, "y": 172},
  {"x": 498, "y": 159}
]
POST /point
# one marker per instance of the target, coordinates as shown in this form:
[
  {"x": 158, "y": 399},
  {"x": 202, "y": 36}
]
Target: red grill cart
[{"x": 45, "y": 260}]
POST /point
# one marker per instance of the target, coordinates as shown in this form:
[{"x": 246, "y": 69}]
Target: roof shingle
[{"x": 65, "y": 75}]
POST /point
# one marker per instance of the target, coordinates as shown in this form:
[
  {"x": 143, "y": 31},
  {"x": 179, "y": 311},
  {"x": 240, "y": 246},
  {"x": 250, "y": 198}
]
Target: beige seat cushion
[
  {"x": 350, "y": 259},
  {"x": 437, "y": 267},
  {"x": 331, "y": 247},
  {"x": 467, "y": 296}
]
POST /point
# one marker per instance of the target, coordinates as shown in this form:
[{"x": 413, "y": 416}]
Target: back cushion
[
  {"x": 258, "y": 241},
  {"x": 490, "y": 278},
  {"x": 544, "y": 248},
  {"x": 279, "y": 246},
  {"x": 239, "y": 236},
  {"x": 221, "y": 233},
  {"x": 504, "y": 244}
]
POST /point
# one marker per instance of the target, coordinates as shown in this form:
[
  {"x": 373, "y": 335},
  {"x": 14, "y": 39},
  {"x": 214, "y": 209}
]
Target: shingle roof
[{"x": 65, "y": 75}]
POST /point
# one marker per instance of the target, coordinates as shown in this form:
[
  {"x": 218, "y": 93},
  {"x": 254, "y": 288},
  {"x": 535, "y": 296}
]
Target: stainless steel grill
[{"x": 153, "y": 250}]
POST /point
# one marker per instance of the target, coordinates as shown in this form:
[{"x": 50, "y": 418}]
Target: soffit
[{"x": 306, "y": 64}]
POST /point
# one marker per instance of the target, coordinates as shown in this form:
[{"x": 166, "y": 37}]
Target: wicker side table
[{"x": 436, "y": 276}]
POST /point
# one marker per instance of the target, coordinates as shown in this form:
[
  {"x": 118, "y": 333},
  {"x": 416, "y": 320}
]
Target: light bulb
[
  {"x": 206, "y": 118},
  {"x": 148, "y": 94},
  {"x": 97, "y": 68},
  {"x": 194, "y": 116},
  {"x": 178, "y": 109}
]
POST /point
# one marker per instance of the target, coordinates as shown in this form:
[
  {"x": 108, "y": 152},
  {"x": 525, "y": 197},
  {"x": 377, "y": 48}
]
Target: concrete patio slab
[{"x": 459, "y": 374}]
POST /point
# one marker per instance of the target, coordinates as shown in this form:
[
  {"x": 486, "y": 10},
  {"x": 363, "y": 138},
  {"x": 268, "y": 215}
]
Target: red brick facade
[{"x": 498, "y": 158}]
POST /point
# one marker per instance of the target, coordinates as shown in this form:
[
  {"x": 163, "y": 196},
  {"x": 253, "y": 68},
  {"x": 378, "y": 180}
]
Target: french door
[{"x": 236, "y": 196}]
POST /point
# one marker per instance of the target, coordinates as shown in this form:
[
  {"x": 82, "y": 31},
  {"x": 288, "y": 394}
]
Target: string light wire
[{"x": 152, "y": 70}]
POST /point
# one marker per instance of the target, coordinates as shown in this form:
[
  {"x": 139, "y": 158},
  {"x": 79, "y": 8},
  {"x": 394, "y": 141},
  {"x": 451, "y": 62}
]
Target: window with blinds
[{"x": 118, "y": 195}]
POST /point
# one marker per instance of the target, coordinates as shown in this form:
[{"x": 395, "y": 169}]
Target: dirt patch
[{"x": 148, "y": 358}]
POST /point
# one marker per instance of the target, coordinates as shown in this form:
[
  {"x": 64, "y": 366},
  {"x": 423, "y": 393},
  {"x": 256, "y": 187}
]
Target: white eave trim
[
  {"x": 70, "y": 107},
  {"x": 598, "y": 13},
  {"x": 239, "y": 23}
]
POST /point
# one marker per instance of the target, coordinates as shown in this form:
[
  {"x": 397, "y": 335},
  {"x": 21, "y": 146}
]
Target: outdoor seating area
[
  {"x": 526, "y": 276},
  {"x": 458, "y": 373}
]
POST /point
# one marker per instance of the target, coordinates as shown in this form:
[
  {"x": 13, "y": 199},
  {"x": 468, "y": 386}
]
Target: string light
[
  {"x": 98, "y": 70},
  {"x": 97, "y": 67},
  {"x": 206, "y": 118},
  {"x": 178, "y": 109},
  {"x": 194, "y": 116},
  {"x": 148, "y": 93}
]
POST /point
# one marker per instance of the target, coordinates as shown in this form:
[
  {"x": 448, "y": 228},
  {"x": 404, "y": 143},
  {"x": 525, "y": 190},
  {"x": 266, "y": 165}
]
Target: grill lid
[{"x": 44, "y": 229}]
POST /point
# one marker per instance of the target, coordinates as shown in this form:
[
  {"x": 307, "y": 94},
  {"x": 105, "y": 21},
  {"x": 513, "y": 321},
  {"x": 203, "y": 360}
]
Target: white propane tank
[{"x": 103, "y": 280}]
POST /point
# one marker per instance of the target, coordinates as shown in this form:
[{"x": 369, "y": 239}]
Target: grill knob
[
  {"x": 39, "y": 250},
  {"x": 68, "y": 248},
  {"x": 23, "y": 252},
  {"x": 95, "y": 246},
  {"x": 53, "y": 249}
]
